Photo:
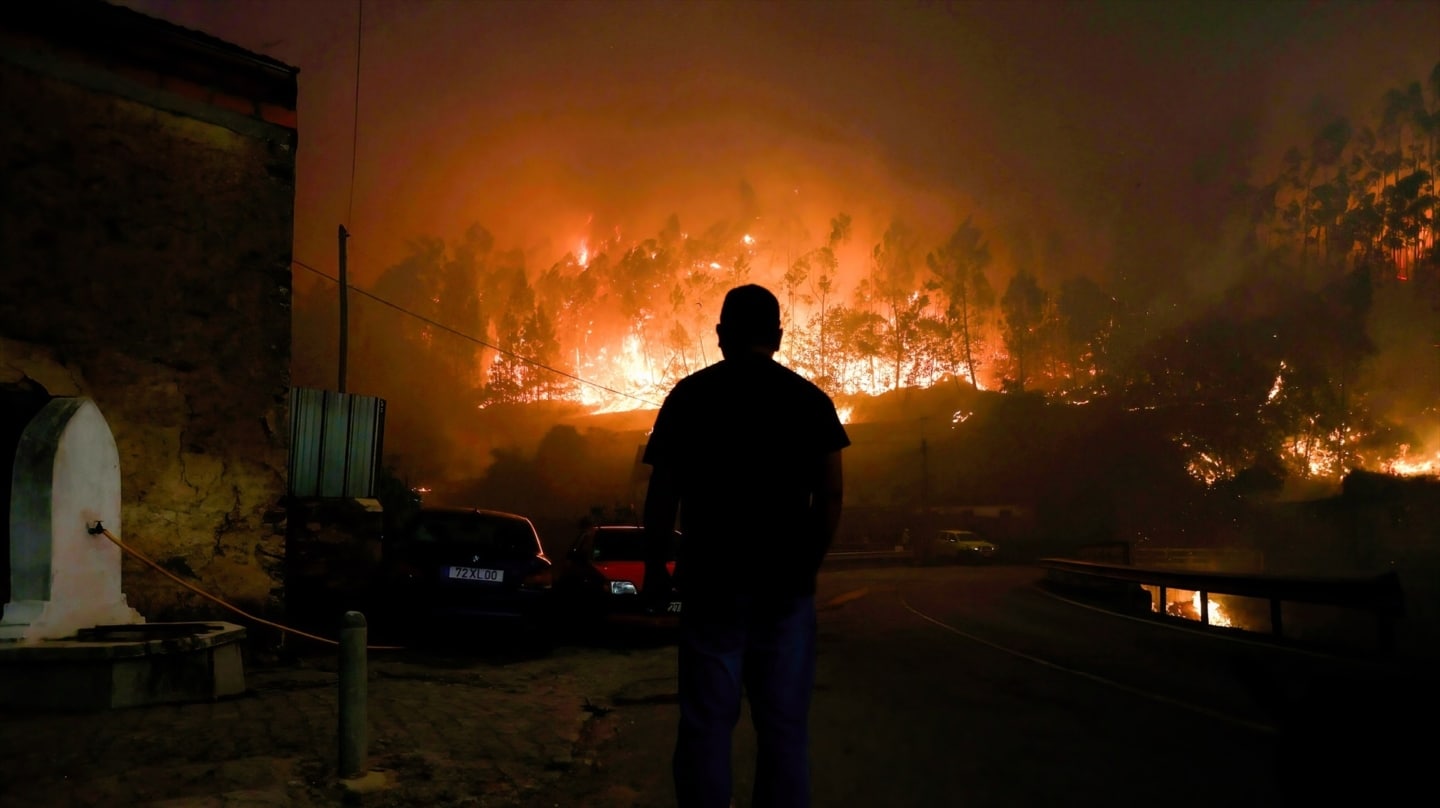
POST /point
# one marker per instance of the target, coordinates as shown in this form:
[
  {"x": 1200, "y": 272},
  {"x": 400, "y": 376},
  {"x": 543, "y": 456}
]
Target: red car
[{"x": 603, "y": 576}]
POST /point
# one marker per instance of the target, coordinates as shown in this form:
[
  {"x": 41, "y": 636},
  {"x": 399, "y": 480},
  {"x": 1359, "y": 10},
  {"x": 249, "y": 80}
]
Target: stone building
[{"x": 148, "y": 186}]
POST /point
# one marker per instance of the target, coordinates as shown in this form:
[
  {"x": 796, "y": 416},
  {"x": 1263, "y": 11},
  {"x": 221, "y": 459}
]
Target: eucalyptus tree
[
  {"x": 934, "y": 355},
  {"x": 791, "y": 283},
  {"x": 507, "y": 380},
  {"x": 891, "y": 286},
  {"x": 1087, "y": 315},
  {"x": 460, "y": 305},
  {"x": 639, "y": 277},
  {"x": 823, "y": 269},
  {"x": 1430, "y": 126},
  {"x": 1403, "y": 112},
  {"x": 1408, "y": 204},
  {"x": 860, "y": 337},
  {"x": 540, "y": 344},
  {"x": 528, "y": 346},
  {"x": 959, "y": 266},
  {"x": 433, "y": 292},
  {"x": 1321, "y": 204},
  {"x": 567, "y": 291},
  {"x": 1023, "y": 305}
]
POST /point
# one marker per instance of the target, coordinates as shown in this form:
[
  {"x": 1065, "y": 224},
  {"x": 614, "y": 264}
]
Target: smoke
[
  {"x": 1117, "y": 131},
  {"x": 1112, "y": 140}
]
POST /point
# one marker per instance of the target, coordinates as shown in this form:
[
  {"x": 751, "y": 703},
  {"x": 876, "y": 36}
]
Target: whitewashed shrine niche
[{"x": 64, "y": 578}]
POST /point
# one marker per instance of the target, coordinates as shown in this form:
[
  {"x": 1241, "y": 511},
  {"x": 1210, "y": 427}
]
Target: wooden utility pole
[
  {"x": 924, "y": 465},
  {"x": 344, "y": 308}
]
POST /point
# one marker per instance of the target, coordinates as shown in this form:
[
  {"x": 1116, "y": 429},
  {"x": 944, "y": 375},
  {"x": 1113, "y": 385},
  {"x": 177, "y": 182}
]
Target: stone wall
[{"x": 146, "y": 249}]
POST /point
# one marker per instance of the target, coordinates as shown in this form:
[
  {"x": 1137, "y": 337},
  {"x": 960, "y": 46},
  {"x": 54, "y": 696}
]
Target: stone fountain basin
[{"x": 111, "y": 667}]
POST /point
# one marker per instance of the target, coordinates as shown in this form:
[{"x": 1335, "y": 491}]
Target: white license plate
[{"x": 476, "y": 574}]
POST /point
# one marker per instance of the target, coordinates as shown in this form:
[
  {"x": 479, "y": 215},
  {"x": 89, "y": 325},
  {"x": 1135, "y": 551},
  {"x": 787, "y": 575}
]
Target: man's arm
[
  {"x": 828, "y": 501},
  {"x": 662, "y": 504}
]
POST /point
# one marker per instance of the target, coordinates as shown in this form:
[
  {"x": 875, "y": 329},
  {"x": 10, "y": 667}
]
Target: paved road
[
  {"x": 965, "y": 686},
  {"x": 937, "y": 687}
]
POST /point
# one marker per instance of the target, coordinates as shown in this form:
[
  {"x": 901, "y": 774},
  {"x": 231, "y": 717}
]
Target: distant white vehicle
[{"x": 965, "y": 546}]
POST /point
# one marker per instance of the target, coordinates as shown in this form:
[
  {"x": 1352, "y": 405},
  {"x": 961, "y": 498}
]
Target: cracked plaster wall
[{"x": 146, "y": 264}]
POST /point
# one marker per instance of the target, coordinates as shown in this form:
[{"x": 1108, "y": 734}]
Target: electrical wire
[{"x": 482, "y": 343}]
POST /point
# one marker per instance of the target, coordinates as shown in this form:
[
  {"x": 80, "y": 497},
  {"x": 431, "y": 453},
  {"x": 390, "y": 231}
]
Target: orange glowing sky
[{"x": 1100, "y": 137}]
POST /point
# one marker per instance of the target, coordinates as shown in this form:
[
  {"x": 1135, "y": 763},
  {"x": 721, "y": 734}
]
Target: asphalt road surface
[{"x": 973, "y": 686}]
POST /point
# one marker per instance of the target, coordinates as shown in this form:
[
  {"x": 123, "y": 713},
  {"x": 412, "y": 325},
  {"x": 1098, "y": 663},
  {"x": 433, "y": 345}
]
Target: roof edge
[{"x": 122, "y": 37}]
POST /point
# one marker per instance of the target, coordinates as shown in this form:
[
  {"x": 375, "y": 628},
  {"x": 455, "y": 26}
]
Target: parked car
[
  {"x": 603, "y": 576},
  {"x": 964, "y": 546},
  {"x": 468, "y": 564}
]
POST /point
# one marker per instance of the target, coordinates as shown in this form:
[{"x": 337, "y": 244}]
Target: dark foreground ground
[{"x": 936, "y": 686}]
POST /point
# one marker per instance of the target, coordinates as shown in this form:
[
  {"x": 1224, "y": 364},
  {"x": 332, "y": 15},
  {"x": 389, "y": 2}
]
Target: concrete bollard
[{"x": 353, "y": 677}]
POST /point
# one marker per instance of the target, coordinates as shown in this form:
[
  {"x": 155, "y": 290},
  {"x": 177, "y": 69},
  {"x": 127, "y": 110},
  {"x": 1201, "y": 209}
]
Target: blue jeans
[{"x": 766, "y": 643}]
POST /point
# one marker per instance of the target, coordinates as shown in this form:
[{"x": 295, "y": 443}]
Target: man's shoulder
[
  {"x": 700, "y": 379},
  {"x": 730, "y": 375}
]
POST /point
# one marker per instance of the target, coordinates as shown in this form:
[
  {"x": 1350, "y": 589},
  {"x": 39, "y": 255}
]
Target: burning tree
[{"x": 959, "y": 267}]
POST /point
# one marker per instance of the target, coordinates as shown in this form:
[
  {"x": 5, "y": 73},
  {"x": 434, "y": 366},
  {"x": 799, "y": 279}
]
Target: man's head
[{"x": 749, "y": 321}]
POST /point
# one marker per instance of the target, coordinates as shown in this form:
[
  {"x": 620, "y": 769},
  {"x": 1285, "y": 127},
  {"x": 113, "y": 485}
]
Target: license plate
[
  {"x": 476, "y": 574},
  {"x": 674, "y": 607}
]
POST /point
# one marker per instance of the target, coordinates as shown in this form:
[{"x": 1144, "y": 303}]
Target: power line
[
  {"x": 355, "y": 121},
  {"x": 422, "y": 318}
]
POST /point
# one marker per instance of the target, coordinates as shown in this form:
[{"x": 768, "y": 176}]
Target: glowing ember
[
  {"x": 1278, "y": 385},
  {"x": 845, "y": 413},
  {"x": 1207, "y": 469}
]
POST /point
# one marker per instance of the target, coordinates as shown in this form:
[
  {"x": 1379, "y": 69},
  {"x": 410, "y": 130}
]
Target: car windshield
[
  {"x": 494, "y": 536},
  {"x": 622, "y": 545}
]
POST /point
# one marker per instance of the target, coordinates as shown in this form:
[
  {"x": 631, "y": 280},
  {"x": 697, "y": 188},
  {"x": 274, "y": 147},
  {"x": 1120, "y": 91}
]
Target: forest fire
[
  {"x": 1289, "y": 374},
  {"x": 1320, "y": 462}
]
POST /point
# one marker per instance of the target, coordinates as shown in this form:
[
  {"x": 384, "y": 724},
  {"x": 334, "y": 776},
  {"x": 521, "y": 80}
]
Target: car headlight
[{"x": 623, "y": 588}]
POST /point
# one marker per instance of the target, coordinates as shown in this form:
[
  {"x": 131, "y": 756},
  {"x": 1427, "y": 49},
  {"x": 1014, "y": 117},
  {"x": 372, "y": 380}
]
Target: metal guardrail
[
  {"x": 1197, "y": 558},
  {"x": 894, "y": 556},
  {"x": 1379, "y": 594}
]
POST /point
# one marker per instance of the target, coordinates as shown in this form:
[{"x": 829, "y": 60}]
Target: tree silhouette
[
  {"x": 1087, "y": 317},
  {"x": 891, "y": 285},
  {"x": 959, "y": 266},
  {"x": 1024, "y": 307}
]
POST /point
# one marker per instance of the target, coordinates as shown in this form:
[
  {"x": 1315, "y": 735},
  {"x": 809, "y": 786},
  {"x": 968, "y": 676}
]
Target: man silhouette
[{"x": 747, "y": 453}]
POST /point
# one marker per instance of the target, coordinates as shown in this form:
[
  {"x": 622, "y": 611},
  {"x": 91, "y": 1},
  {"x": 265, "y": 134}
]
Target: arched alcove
[{"x": 19, "y": 403}]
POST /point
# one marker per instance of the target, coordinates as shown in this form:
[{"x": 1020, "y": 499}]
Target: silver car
[{"x": 965, "y": 546}]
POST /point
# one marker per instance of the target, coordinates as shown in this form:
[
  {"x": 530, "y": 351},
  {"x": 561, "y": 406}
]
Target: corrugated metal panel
[
  {"x": 336, "y": 443},
  {"x": 306, "y": 408},
  {"x": 367, "y": 433}
]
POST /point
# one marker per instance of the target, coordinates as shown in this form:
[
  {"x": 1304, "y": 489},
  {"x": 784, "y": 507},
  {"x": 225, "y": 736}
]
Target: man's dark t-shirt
[{"x": 745, "y": 440}]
